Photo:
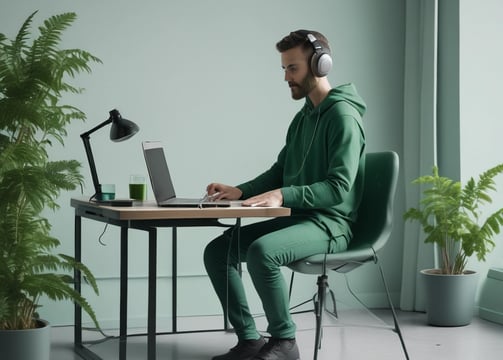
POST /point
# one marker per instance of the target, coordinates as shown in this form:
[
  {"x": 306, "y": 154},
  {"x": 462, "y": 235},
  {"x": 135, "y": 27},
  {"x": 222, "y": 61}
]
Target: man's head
[
  {"x": 314, "y": 45},
  {"x": 305, "y": 56}
]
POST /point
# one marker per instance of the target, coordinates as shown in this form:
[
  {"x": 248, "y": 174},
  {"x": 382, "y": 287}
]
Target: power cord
[{"x": 101, "y": 235}]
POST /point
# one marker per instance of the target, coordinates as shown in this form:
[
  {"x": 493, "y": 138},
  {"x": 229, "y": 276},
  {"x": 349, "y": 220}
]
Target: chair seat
[{"x": 340, "y": 262}]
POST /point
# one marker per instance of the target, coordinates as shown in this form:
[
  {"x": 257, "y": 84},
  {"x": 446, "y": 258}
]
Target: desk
[{"x": 148, "y": 217}]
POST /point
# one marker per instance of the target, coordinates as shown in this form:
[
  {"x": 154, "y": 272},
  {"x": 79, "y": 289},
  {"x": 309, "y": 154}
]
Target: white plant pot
[
  {"x": 450, "y": 299},
  {"x": 30, "y": 344}
]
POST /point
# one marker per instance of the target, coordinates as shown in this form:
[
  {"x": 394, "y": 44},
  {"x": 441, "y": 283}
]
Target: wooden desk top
[{"x": 148, "y": 210}]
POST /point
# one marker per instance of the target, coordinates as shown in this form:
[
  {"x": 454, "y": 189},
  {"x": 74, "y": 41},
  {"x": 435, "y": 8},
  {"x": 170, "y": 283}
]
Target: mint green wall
[
  {"x": 204, "y": 77},
  {"x": 481, "y": 121}
]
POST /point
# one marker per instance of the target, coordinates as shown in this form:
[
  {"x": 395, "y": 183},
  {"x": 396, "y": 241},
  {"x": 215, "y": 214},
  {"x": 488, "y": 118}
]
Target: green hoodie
[{"x": 320, "y": 168}]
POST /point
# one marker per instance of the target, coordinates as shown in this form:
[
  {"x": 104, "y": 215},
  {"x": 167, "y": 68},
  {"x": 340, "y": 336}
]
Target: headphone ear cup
[{"x": 321, "y": 63}]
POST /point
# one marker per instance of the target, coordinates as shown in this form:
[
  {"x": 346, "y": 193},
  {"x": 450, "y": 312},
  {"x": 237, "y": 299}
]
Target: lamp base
[{"x": 115, "y": 202}]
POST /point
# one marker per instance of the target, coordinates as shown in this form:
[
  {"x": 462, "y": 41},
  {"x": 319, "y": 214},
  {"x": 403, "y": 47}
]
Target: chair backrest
[{"x": 375, "y": 214}]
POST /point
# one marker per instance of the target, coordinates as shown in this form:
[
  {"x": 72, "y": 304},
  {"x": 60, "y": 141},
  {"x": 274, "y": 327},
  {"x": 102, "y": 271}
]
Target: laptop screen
[{"x": 157, "y": 167}]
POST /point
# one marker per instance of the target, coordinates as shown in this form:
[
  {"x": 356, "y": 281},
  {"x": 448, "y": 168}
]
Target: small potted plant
[
  {"x": 452, "y": 218},
  {"x": 33, "y": 78}
]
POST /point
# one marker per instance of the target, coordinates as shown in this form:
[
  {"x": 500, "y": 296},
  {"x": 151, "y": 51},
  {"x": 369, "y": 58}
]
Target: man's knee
[{"x": 258, "y": 256}]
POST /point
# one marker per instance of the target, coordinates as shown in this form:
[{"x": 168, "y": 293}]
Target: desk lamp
[{"x": 122, "y": 129}]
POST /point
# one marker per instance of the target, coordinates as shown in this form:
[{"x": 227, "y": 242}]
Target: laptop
[{"x": 162, "y": 185}]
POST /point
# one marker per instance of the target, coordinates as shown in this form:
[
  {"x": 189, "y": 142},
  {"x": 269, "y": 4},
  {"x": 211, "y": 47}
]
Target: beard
[{"x": 300, "y": 91}]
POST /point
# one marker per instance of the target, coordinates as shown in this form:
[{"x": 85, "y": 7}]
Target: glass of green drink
[{"x": 137, "y": 188}]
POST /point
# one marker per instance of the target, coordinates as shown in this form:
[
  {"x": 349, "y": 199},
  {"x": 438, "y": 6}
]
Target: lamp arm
[
  {"x": 92, "y": 166},
  {"x": 90, "y": 157},
  {"x": 104, "y": 123}
]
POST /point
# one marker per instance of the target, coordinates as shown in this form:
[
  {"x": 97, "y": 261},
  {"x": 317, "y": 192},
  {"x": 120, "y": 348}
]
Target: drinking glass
[{"x": 137, "y": 187}]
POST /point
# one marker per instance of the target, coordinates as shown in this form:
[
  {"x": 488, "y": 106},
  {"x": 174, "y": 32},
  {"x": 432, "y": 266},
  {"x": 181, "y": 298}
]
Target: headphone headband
[{"x": 312, "y": 39}]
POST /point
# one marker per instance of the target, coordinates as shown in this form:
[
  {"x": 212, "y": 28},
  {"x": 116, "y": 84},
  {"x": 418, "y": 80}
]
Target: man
[{"x": 318, "y": 174}]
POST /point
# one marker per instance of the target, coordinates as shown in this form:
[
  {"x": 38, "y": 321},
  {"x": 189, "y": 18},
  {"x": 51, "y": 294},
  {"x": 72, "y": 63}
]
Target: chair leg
[
  {"x": 319, "y": 301},
  {"x": 319, "y": 306},
  {"x": 395, "y": 320}
]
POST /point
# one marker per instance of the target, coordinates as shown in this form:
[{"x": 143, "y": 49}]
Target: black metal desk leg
[
  {"x": 77, "y": 281},
  {"x": 174, "y": 283},
  {"x": 79, "y": 347},
  {"x": 237, "y": 228},
  {"x": 238, "y": 242},
  {"x": 152, "y": 293},
  {"x": 123, "y": 293}
]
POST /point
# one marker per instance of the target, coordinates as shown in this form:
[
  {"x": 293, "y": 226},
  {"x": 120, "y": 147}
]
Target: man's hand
[
  {"x": 220, "y": 191},
  {"x": 272, "y": 198}
]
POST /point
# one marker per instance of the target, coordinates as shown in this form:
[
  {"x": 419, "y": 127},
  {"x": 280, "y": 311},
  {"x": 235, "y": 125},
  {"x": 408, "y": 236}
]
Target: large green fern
[
  {"x": 33, "y": 78},
  {"x": 451, "y": 217}
]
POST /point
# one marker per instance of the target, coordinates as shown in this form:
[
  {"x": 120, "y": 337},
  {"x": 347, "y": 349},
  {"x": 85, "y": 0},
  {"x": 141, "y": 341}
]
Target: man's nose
[{"x": 287, "y": 76}]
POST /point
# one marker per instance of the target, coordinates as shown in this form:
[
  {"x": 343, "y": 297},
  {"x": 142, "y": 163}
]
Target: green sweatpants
[{"x": 265, "y": 247}]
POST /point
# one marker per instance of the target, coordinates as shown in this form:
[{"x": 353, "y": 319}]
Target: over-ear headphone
[{"x": 321, "y": 61}]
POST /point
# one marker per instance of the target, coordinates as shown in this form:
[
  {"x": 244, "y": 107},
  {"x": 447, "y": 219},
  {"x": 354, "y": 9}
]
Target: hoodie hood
[{"x": 345, "y": 93}]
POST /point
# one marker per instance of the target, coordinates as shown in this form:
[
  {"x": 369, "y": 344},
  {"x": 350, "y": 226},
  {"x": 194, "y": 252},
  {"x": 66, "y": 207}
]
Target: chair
[{"x": 371, "y": 232}]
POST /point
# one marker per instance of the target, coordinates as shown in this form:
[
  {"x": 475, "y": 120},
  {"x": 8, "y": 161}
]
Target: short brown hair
[{"x": 299, "y": 38}]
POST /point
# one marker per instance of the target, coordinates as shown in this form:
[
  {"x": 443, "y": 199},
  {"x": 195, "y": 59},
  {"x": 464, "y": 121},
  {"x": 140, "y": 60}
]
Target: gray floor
[{"x": 356, "y": 335}]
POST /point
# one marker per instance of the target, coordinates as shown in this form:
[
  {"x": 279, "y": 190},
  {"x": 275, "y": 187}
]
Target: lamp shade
[{"x": 121, "y": 129}]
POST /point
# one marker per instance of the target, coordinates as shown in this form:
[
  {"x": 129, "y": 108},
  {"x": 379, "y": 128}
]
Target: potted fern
[
  {"x": 33, "y": 79},
  {"x": 451, "y": 216}
]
